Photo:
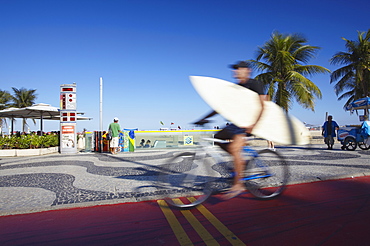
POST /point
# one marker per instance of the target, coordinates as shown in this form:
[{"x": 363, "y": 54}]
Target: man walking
[{"x": 328, "y": 131}]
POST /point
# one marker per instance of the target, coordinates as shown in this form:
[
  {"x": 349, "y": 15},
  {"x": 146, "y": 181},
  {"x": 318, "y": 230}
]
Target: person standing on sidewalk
[
  {"x": 271, "y": 145},
  {"x": 114, "y": 128},
  {"x": 328, "y": 131}
]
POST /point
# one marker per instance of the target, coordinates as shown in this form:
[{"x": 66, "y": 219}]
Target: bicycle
[{"x": 188, "y": 180}]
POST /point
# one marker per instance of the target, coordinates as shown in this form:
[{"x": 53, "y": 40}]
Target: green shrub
[{"x": 28, "y": 141}]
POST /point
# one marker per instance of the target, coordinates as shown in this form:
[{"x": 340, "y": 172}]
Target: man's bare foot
[{"x": 233, "y": 192}]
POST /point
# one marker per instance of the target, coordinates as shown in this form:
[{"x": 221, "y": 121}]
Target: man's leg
[
  {"x": 235, "y": 148},
  {"x": 331, "y": 141},
  {"x": 111, "y": 146},
  {"x": 327, "y": 142},
  {"x": 115, "y": 140}
]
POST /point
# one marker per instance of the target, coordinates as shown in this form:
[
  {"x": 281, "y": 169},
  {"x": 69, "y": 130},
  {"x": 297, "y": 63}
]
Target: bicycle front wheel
[
  {"x": 266, "y": 175},
  {"x": 186, "y": 181}
]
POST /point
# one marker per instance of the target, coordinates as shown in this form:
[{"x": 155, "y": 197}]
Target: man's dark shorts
[{"x": 229, "y": 132}]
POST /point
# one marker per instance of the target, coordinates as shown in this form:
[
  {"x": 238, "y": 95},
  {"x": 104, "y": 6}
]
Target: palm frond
[{"x": 311, "y": 69}]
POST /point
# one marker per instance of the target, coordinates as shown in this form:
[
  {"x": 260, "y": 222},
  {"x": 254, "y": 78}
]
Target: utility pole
[{"x": 101, "y": 105}]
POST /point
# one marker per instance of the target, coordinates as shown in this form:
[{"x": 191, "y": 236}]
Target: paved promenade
[{"x": 30, "y": 184}]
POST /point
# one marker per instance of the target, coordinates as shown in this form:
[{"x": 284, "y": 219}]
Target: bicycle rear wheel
[
  {"x": 186, "y": 181},
  {"x": 266, "y": 175}
]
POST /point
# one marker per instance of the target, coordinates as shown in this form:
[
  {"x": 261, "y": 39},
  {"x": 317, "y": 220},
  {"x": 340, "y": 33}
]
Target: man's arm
[
  {"x": 204, "y": 119},
  {"x": 323, "y": 129},
  {"x": 262, "y": 99},
  {"x": 336, "y": 126}
]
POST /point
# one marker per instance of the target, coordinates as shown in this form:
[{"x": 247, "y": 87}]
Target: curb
[{"x": 28, "y": 152}]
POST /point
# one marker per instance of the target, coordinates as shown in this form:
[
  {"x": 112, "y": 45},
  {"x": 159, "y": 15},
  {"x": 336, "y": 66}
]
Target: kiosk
[{"x": 68, "y": 119}]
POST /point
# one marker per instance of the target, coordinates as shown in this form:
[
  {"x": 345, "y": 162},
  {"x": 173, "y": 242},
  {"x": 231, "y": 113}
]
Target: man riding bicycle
[{"x": 242, "y": 71}]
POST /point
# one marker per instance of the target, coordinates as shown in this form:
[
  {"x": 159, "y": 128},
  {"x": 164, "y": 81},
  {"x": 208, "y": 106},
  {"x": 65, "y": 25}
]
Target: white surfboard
[{"x": 242, "y": 106}]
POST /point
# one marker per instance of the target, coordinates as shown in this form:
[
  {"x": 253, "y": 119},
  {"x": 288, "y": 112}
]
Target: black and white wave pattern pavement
[{"x": 56, "y": 179}]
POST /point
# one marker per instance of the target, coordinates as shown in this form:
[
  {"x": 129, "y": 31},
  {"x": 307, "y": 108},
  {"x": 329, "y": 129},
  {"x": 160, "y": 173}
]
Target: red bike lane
[{"x": 321, "y": 213}]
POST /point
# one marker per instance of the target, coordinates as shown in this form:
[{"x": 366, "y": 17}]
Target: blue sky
[{"x": 146, "y": 50}]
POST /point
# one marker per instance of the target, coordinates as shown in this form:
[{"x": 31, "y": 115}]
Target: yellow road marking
[
  {"x": 231, "y": 237},
  {"x": 198, "y": 227},
  {"x": 180, "y": 234}
]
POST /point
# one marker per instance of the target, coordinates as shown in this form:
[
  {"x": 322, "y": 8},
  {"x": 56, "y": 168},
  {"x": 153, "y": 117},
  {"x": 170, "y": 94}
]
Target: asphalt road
[{"x": 321, "y": 213}]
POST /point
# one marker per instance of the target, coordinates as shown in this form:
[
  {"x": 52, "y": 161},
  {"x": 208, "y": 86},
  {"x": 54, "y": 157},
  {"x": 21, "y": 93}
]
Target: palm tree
[
  {"x": 23, "y": 98},
  {"x": 5, "y": 99},
  {"x": 283, "y": 59},
  {"x": 353, "y": 79}
]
